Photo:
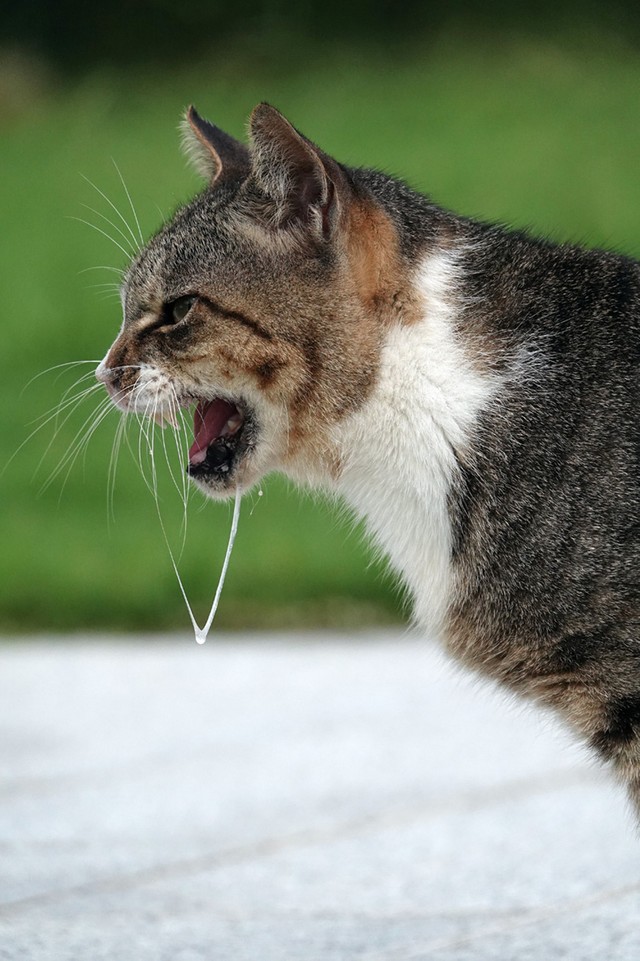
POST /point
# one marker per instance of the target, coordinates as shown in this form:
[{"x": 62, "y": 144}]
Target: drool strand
[{"x": 200, "y": 633}]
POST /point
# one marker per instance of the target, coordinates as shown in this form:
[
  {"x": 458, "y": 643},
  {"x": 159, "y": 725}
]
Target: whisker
[
  {"x": 114, "y": 270},
  {"x": 108, "y": 295},
  {"x": 179, "y": 487},
  {"x": 182, "y": 452},
  {"x": 90, "y": 375},
  {"x": 136, "y": 457},
  {"x": 116, "y": 210},
  {"x": 133, "y": 209},
  {"x": 75, "y": 446},
  {"x": 150, "y": 442},
  {"x": 169, "y": 466},
  {"x": 133, "y": 249},
  {"x": 73, "y": 403},
  {"x": 65, "y": 402},
  {"x": 143, "y": 432},
  {"x": 47, "y": 370},
  {"x": 151, "y": 423},
  {"x": 113, "y": 467},
  {"x": 83, "y": 445},
  {"x": 127, "y": 253}
]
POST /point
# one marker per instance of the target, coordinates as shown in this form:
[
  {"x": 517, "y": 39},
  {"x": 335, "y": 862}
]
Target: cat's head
[{"x": 262, "y": 305}]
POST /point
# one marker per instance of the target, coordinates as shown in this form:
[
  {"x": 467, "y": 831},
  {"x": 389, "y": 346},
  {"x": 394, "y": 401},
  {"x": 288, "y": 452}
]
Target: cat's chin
[{"x": 226, "y": 434}]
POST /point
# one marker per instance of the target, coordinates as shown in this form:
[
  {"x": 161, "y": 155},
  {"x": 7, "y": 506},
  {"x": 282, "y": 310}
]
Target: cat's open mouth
[{"x": 221, "y": 430}]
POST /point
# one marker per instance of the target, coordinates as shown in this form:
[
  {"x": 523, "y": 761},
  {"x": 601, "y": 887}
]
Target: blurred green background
[{"x": 522, "y": 114}]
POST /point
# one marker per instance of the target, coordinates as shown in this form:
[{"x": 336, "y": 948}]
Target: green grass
[{"x": 545, "y": 136}]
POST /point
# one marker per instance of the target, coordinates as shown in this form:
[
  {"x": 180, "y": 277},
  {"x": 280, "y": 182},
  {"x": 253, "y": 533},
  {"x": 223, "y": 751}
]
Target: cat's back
[{"x": 547, "y": 506}]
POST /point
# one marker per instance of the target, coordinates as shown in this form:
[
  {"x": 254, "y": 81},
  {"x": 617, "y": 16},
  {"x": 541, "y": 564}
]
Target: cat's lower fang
[{"x": 198, "y": 457}]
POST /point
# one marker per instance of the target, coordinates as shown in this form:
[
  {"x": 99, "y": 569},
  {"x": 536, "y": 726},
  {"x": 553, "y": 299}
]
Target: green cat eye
[{"x": 181, "y": 307}]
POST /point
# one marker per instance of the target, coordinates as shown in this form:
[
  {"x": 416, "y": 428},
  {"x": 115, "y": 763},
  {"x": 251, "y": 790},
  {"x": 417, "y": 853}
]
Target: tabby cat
[{"x": 470, "y": 391}]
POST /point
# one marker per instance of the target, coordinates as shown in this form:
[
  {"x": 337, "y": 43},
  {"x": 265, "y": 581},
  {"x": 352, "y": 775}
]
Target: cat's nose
[
  {"x": 102, "y": 373},
  {"x": 107, "y": 376}
]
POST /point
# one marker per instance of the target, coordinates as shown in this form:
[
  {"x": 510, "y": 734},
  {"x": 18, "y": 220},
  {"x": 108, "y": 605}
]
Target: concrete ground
[{"x": 287, "y": 799}]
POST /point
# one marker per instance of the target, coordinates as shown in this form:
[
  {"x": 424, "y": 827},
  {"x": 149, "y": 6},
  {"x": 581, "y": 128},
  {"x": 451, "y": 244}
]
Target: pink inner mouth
[{"x": 212, "y": 419}]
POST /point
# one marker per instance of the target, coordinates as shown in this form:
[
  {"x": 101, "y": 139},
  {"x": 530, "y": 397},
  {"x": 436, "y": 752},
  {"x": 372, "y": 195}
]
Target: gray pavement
[{"x": 287, "y": 799}]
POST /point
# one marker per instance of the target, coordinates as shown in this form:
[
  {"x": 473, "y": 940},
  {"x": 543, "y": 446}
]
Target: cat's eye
[{"x": 179, "y": 309}]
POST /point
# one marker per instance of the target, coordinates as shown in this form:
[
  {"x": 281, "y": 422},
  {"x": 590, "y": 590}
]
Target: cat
[{"x": 470, "y": 391}]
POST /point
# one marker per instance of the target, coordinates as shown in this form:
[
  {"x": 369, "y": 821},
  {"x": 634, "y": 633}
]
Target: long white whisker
[
  {"x": 178, "y": 487},
  {"x": 113, "y": 467},
  {"x": 81, "y": 436},
  {"x": 148, "y": 425},
  {"x": 64, "y": 402},
  {"x": 116, "y": 210},
  {"x": 115, "y": 270},
  {"x": 182, "y": 451},
  {"x": 169, "y": 465},
  {"x": 73, "y": 403},
  {"x": 90, "y": 376},
  {"x": 183, "y": 490},
  {"x": 83, "y": 444},
  {"x": 154, "y": 475},
  {"x": 47, "y": 370},
  {"x": 133, "y": 209},
  {"x": 136, "y": 457},
  {"x": 142, "y": 433},
  {"x": 80, "y": 220},
  {"x": 133, "y": 249}
]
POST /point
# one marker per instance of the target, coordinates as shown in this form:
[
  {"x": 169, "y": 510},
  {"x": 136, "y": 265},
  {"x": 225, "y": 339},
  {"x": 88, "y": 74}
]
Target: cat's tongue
[{"x": 209, "y": 422}]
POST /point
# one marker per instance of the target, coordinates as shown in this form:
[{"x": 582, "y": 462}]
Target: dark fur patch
[
  {"x": 575, "y": 652},
  {"x": 253, "y": 325},
  {"x": 622, "y": 727},
  {"x": 267, "y": 371}
]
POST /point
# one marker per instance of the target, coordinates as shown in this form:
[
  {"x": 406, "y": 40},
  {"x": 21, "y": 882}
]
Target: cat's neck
[
  {"x": 398, "y": 453},
  {"x": 417, "y": 220}
]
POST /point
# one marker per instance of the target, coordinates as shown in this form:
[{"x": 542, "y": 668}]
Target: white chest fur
[{"x": 398, "y": 450}]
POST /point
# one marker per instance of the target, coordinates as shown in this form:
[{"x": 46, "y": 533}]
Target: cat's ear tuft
[
  {"x": 298, "y": 177},
  {"x": 214, "y": 154}
]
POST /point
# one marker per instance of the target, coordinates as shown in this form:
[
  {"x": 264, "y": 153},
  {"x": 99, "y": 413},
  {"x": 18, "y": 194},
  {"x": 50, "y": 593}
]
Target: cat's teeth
[
  {"x": 232, "y": 426},
  {"x": 159, "y": 419}
]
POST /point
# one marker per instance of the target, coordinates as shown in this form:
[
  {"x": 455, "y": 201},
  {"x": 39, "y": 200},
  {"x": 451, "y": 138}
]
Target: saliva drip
[{"x": 200, "y": 633}]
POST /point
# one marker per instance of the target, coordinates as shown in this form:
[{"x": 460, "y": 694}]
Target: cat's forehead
[{"x": 199, "y": 241}]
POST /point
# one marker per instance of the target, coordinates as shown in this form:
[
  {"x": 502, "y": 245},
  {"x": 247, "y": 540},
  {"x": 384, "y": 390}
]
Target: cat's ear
[
  {"x": 296, "y": 175},
  {"x": 214, "y": 154}
]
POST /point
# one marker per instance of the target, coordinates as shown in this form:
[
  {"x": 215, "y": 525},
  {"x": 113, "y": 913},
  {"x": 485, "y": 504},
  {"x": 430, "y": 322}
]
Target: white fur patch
[{"x": 398, "y": 449}]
